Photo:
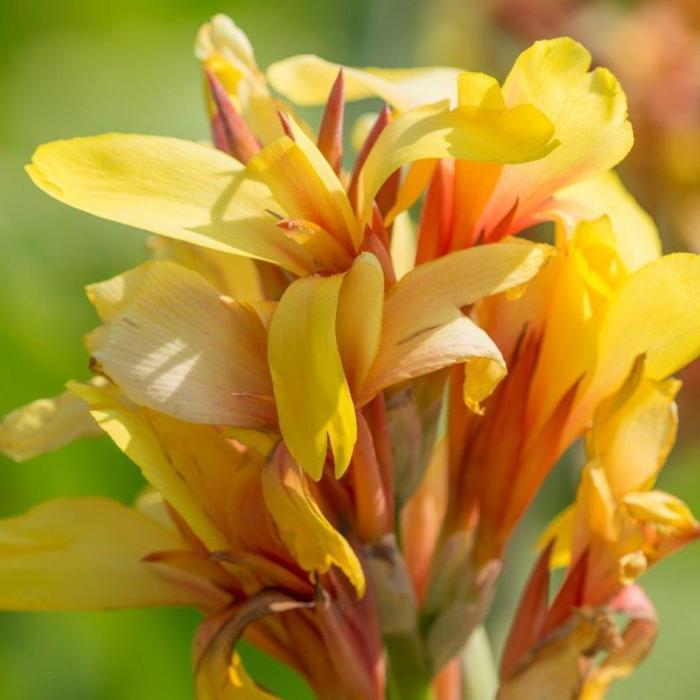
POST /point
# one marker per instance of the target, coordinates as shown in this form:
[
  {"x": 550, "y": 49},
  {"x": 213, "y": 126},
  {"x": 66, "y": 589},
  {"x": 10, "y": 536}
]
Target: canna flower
[{"x": 341, "y": 422}]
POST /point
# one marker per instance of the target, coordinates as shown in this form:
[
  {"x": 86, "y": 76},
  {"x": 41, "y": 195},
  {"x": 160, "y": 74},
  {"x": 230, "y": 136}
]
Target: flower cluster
[{"x": 342, "y": 416}]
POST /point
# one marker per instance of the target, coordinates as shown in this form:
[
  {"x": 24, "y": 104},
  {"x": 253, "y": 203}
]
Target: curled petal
[{"x": 313, "y": 542}]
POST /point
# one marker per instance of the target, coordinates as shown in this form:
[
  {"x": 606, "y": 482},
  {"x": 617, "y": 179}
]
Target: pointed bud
[
  {"x": 330, "y": 135},
  {"x": 231, "y": 132},
  {"x": 379, "y": 125},
  {"x": 286, "y": 124}
]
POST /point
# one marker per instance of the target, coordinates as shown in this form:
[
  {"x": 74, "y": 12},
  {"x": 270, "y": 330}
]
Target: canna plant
[{"x": 341, "y": 417}]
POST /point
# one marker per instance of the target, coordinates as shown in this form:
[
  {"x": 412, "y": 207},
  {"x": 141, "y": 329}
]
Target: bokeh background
[{"x": 78, "y": 67}]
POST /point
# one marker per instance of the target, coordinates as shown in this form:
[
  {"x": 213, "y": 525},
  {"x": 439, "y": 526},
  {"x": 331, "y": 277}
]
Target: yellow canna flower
[{"x": 341, "y": 421}]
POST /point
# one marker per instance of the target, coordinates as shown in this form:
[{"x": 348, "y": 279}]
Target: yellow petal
[
  {"x": 589, "y": 113},
  {"x": 660, "y": 508},
  {"x": 307, "y": 80},
  {"x": 305, "y": 186},
  {"x": 595, "y": 507},
  {"x": 313, "y": 542},
  {"x": 240, "y": 686},
  {"x": 561, "y": 530},
  {"x": 656, "y": 313},
  {"x": 424, "y": 328},
  {"x": 176, "y": 188},
  {"x": 232, "y": 275},
  {"x": 636, "y": 237},
  {"x": 634, "y": 430},
  {"x": 87, "y": 554},
  {"x": 403, "y": 245},
  {"x": 45, "y": 425},
  {"x": 312, "y": 394},
  {"x": 171, "y": 455},
  {"x": 359, "y": 318},
  {"x": 482, "y": 376},
  {"x": 174, "y": 345},
  {"x": 466, "y": 132}
]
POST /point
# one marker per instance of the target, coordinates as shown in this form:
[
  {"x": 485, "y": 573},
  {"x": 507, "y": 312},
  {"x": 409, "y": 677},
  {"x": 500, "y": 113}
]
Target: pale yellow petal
[
  {"x": 312, "y": 394},
  {"x": 176, "y": 188},
  {"x": 313, "y": 542},
  {"x": 424, "y": 328},
  {"x": 175, "y": 346},
  {"x": 87, "y": 554},
  {"x": 307, "y": 80},
  {"x": 45, "y": 425},
  {"x": 589, "y": 113}
]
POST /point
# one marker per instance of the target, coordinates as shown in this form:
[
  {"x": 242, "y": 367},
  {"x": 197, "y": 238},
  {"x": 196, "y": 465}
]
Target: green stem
[
  {"x": 479, "y": 676},
  {"x": 409, "y": 675}
]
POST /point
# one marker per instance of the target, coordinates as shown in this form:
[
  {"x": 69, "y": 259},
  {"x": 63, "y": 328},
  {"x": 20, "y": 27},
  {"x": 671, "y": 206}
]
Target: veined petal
[
  {"x": 467, "y": 132},
  {"x": 359, "y": 318},
  {"x": 87, "y": 554},
  {"x": 176, "y": 188},
  {"x": 637, "y": 239},
  {"x": 171, "y": 455},
  {"x": 589, "y": 113},
  {"x": 173, "y": 345},
  {"x": 307, "y": 80},
  {"x": 211, "y": 483},
  {"x": 313, "y": 542},
  {"x": 45, "y": 425},
  {"x": 424, "y": 328},
  {"x": 312, "y": 394}
]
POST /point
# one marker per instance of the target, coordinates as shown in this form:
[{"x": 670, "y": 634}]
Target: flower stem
[
  {"x": 479, "y": 676},
  {"x": 409, "y": 675}
]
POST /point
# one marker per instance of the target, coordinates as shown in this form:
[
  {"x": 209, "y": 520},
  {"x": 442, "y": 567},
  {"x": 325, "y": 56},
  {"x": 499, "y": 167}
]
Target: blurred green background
[{"x": 78, "y": 68}]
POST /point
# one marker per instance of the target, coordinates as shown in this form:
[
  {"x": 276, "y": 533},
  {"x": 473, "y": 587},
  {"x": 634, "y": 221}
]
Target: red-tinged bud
[
  {"x": 383, "y": 118},
  {"x": 286, "y": 124},
  {"x": 360, "y": 672},
  {"x": 530, "y": 617},
  {"x": 330, "y": 134},
  {"x": 373, "y": 244},
  {"x": 230, "y": 130},
  {"x": 374, "y": 518},
  {"x": 570, "y": 596},
  {"x": 435, "y": 226}
]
